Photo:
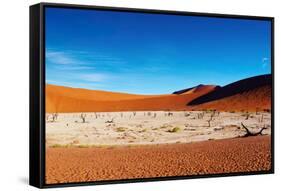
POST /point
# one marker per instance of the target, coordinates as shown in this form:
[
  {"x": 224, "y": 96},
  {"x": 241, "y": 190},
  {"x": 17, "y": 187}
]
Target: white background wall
[{"x": 14, "y": 71}]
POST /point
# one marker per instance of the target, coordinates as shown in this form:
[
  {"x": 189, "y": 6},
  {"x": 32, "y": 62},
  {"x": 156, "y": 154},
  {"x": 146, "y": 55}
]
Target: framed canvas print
[{"x": 124, "y": 95}]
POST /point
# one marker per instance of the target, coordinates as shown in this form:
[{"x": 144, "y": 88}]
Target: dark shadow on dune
[
  {"x": 196, "y": 88},
  {"x": 185, "y": 90},
  {"x": 233, "y": 88}
]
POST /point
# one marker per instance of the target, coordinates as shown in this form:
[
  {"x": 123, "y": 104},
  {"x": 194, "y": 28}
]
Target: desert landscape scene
[
  {"x": 97, "y": 135},
  {"x": 139, "y": 95}
]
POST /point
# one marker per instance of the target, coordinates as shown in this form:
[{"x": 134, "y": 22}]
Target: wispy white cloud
[
  {"x": 89, "y": 85},
  {"x": 59, "y": 57},
  {"x": 71, "y": 59},
  {"x": 80, "y": 69},
  {"x": 94, "y": 77},
  {"x": 264, "y": 59},
  {"x": 264, "y": 62},
  {"x": 69, "y": 68}
]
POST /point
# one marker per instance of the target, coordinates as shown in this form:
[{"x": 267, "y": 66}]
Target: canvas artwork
[{"x": 131, "y": 95}]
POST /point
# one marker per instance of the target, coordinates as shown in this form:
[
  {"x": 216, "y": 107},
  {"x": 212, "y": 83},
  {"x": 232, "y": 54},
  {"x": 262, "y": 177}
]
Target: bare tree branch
[{"x": 249, "y": 133}]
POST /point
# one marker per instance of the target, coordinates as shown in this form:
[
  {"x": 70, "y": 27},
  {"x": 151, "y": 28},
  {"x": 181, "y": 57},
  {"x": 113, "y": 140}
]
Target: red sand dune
[
  {"x": 247, "y": 94},
  {"x": 209, "y": 157},
  {"x": 65, "y": 99}
]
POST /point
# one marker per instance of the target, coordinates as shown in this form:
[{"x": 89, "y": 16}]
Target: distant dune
[
  {"x": 196, "y": 89},
  {"x": 247, "y": 94}
]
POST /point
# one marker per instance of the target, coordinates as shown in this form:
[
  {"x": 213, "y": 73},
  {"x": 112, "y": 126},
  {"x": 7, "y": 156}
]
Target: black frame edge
[
  {"x": 35, "y": 132},
  {"x": 159, "y": 11},
  {"x": 272, "y": 97}
]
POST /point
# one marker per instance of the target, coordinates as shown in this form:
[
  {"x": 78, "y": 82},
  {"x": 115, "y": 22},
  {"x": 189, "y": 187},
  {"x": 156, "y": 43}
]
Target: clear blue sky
[{"x": 151, "y": 53}]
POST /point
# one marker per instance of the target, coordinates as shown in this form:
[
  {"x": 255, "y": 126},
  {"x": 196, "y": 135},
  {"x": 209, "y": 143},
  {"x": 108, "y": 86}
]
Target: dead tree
[
  {"x": 134, "y": 113},
  {"x": 209, "y": 122},
  {"x": 83, "y": 117},
  {"x": 154, "y": 115},
  {"x": 200, "y": 115},
  {"x": 186, "y": 114},
  {"x": 249, "y": 133},
  {"x": 257, "y": 111},
  {"x": 211, "y": 118},
  {"x": 170, "y": 114},
  {"x": 110, "y": 121},
  {"x": 261, "y": 119},
  {"x": 54, "y": 117},
  {"x": 267, "y": 110},
  {"x": 247, "y": 116},
  {"x": 96, "y": 115}
]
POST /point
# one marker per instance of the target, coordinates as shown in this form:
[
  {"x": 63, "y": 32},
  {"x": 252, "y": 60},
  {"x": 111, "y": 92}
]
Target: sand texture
[{"x": 111, "y": 163}]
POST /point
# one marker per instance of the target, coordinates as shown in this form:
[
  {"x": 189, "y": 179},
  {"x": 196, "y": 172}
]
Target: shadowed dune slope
[
  {"x": 65, "y": 99},
  {"x": 247, "y": 94},
  {"x": 196, "y": 89}
]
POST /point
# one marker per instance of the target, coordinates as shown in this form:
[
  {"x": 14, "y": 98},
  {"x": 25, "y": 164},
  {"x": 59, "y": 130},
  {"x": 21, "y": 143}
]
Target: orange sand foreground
[{"x": 221, "y": 156}]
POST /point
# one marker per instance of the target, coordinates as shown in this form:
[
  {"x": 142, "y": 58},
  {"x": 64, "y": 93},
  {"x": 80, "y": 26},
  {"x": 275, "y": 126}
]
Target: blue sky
[{"x": 151, "y": 53}]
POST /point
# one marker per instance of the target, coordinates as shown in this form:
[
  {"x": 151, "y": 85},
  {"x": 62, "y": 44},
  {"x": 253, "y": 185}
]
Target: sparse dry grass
[
  {"x": 174, "y": 130},
  {"x": 120, "y": 129}
]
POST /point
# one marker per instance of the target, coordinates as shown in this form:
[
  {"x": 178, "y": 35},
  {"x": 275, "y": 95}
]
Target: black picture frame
[{"x": 37, "y": 93}]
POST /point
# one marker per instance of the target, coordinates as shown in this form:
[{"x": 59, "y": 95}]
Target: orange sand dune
[
  {"x": 65, "y": 99},
  {"x": 96, "y": 95},
  {"x": 64, "y": 165},
  {"x": 247, "y": 94}
]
